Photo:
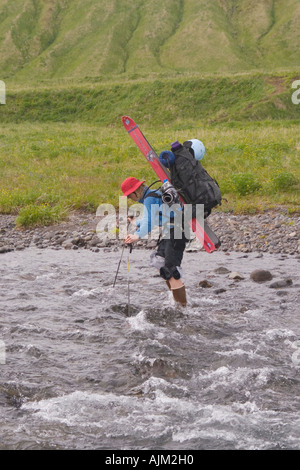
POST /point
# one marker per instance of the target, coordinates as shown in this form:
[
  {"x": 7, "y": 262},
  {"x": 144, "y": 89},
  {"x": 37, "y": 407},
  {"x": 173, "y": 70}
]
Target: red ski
[{"x": 206, "y": 236}]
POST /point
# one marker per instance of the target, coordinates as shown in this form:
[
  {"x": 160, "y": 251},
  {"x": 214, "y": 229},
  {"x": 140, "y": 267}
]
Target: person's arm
[
  {"x": 142, "y": 228},
  {"x": 131, "y": 238},
  {"x": 145, "y": 224}
]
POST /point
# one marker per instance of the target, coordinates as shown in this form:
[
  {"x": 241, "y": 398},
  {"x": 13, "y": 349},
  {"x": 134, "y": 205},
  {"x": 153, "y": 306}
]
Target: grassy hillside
[
  {"x": 161, "y": 101},
  {"x": 88, "y": 38}
]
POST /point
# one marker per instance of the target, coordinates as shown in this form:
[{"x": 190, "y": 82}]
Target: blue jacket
[{"x": 155, "y": 213}]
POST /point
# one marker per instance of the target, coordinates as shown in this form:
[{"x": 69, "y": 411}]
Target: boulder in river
[
  {"x": 261, "y": 275},
  {"x": 205, "y": 284},
  {"x": 222, "y": 270},
  {"x": 281, "y": 283},
  {"x": 236, "y": 276}
]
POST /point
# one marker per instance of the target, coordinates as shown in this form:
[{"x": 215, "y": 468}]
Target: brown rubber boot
[
  {"x": 179, "y": 295},
  {"x": 168, "y": 284}
]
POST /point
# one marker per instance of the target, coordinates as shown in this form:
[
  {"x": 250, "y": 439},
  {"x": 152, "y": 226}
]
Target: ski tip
[{"x": 128, "y": 123}]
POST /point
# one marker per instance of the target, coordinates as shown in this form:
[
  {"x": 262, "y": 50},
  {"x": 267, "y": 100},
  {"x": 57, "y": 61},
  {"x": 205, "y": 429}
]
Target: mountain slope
[{"x": 86, "y": 38}]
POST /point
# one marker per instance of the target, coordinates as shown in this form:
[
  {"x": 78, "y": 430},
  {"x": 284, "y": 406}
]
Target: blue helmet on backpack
[{"x": 198, "y": 148}]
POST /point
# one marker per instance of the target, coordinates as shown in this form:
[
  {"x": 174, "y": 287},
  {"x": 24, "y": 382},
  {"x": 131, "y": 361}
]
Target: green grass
[
  {"x": 40, "y": 214},
  {"x": 49, "y": 169},
  {"x": 161, "y": 101}
]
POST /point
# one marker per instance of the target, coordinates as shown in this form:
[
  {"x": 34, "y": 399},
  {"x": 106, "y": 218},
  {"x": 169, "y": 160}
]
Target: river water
[{"x": 84, "y": 365}]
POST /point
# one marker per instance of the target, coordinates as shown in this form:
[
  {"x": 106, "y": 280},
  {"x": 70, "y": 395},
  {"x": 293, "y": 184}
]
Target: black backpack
[{"x": 192, "y": 181}]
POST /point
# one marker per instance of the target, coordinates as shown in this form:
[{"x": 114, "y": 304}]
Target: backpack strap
[{"x": 152, "y": 193}]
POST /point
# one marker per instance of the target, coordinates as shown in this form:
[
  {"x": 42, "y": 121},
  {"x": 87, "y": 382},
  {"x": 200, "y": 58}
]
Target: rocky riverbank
[{"x": 272, "y": 232}]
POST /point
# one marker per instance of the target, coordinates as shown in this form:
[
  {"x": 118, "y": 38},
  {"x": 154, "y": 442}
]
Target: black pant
[{"x": 172, "y": 250}]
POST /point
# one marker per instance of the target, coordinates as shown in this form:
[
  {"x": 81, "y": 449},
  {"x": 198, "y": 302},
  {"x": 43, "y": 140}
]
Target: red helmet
[{"x": 130, "y": 185}]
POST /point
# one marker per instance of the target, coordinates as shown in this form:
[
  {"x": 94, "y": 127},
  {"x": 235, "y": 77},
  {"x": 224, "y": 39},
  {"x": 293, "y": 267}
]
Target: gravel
[{"x": 271, "y": 231}]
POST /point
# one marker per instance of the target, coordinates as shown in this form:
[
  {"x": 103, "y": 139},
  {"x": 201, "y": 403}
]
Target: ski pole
[
  {"x": 121, "y": 257},
  {"x": 128, "y": 286},
  {"x": 118, "y": 266}
]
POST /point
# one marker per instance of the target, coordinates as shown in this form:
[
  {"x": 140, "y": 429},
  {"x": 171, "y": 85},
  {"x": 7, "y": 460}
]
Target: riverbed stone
[
  {"x": 222, "y": 270},
  {"x": 6, "y": 249},
  {"x": 205, "y": 284},
  {"x": 272, "y": 231},
  {"x": 261, "y": 275},
  {"x": 236, "y": 276},
  {"x": 67, "y": 245},
  {"x": 282, "y": 293},
  {"x": 281, "y": 283},
  {"x": 221, "y": 290}
]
